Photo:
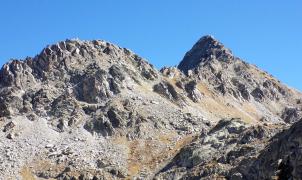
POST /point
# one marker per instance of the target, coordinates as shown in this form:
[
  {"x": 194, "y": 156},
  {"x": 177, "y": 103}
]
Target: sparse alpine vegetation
[{"x": 91, "y": 110}]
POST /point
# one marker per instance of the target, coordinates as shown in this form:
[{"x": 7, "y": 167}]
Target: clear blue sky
[{"x": 267, "y": 33}]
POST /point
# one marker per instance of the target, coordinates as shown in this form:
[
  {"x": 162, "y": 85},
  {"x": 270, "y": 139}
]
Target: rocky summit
[{"x": 90, "y": 110}]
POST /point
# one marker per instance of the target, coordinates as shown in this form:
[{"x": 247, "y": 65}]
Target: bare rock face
[
  {"x": 93, "y": 110},
  {"x": 213, "y": 64},
  {"x": 214, "y": 154},
  {"x": 167, "y": 90},
  {"x": 291, "y": 115},
  {"x": 279, "y": 160},
  {"x": 207, "y": 48},
  {"x": 194, "y": 94},
  {"x": 8, "y": 126}
]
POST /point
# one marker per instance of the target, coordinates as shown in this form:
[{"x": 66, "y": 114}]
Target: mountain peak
[
  {"x": 93, "y": 110},
  {"x": 208, "y": 38},
  {"x": 207, "y": 48}
]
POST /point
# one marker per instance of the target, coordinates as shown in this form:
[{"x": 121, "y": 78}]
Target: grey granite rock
[{"x": 93, "y": 110}]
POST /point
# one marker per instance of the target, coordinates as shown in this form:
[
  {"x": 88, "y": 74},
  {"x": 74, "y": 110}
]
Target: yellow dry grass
[
  {"x": 39, "y": 166},
  {"x": 205, "y": 90},
  {"x": 144, "y": 87},
  {"x": 150, "y": 154},
  {"x": 171, "y": 80},
  {"x": 251, "y": 110},
  {"x": 26, "y": 174},
  {"x": 219, "y": 109},
  {"x": 167, "y": 138}
]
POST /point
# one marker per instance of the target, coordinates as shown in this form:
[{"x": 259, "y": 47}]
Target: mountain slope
[{"x": 93, "y": 110}]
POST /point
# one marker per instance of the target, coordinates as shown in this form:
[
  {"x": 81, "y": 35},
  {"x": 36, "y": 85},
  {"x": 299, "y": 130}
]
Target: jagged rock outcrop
[
  {"x": 93, "y": 110},
  {"x": 212, "y": 63},
  {"x": 193, "y": 93},
  {"x": 214, "y": 154},
  {"x": 291, "y": 114},
  {"x": 167, "y": 90},
  {"x": 281, "y": 159},
  {"x": 206, "y": 49}
]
